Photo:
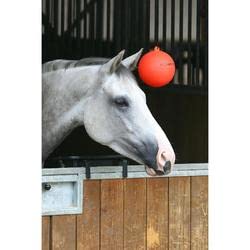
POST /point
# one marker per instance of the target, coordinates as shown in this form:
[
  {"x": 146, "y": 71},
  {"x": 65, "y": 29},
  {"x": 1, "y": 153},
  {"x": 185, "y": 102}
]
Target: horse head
[{"x": 116, "y": 115}]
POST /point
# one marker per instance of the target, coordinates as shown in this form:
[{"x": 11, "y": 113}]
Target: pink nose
[{"x": 165, "y": 160}]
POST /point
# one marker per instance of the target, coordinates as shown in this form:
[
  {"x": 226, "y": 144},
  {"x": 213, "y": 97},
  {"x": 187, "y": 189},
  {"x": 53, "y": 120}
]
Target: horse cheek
[{"x": 97, "y": 127}]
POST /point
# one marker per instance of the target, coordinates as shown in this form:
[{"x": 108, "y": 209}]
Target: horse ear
[
  {"x": 131, "y": 61},
  {"x": 112, "y": 65}
]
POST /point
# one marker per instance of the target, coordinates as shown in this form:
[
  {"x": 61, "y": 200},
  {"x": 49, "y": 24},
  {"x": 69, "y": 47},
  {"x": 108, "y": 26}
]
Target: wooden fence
[{"x": 146, "y": 213}]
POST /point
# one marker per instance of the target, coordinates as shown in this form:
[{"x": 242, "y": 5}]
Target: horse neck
[{"x": 64, "y": 95}]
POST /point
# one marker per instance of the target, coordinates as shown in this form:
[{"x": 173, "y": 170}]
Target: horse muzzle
[
  {"x": 163, "y": 164},
  {"x": 165, "y": 171}
]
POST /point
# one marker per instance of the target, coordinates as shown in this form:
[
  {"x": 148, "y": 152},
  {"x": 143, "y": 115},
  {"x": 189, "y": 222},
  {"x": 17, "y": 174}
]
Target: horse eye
[{"x": 121, "y": 102}]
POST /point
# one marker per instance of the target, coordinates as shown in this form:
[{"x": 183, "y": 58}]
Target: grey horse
[{"x": 103, "y": 96}]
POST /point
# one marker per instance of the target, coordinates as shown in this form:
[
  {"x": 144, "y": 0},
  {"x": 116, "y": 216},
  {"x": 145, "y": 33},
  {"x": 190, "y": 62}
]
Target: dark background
[{"x": 74, "y": 29}]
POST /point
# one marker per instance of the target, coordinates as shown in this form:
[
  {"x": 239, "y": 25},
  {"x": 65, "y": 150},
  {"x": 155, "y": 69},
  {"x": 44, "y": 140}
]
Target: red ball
[{"x": 156, "y": 68}]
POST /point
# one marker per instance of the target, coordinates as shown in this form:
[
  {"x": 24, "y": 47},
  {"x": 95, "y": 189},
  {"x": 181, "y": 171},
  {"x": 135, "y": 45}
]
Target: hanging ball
[{"x": 156, "y": 68}]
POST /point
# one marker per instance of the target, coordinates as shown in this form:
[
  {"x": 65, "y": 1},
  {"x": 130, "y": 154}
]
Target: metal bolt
[{"x": 47, "y": 186}]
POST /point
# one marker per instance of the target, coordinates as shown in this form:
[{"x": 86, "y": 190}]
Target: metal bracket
[
  {"x": 124, "y": 168},
  {"x": 62, "y": 193}
]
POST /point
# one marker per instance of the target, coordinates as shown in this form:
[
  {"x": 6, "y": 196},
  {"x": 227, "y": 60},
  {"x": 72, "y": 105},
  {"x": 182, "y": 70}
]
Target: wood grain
[
  {"x": 135, "y": 214},
  {"x": 179, "y": 213},
  {"x": 111, "y": 214},
  {"x": 88, "y": 222},
  {"x": 199, "y": 213},
  {"x": 45, "y": 232},
  {"x": 64, "y": 232},
  {"x": 157, "y": 213}
]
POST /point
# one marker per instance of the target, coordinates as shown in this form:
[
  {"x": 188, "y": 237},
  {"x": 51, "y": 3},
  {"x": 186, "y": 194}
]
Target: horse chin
[{"x": 150, "y": 171}]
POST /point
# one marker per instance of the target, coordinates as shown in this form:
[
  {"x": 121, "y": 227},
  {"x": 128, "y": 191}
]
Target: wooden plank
[
  {"x": 157, "y": 213},
  {"x": 64, "y": 232},
  {"x": 45, "y": 232},
  {"x": 179, "y": 213},
  {"x": 88, "y": 221},
  {"x": 135, "y": 214},
  {"x": 199, "y": 213},
  {"x": 111, "y": 214}
]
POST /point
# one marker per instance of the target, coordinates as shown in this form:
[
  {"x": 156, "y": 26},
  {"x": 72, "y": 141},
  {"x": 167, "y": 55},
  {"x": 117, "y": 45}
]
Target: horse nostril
[
  {"x": 164, "y": 155},
  {"x": 167, "y": 167}
]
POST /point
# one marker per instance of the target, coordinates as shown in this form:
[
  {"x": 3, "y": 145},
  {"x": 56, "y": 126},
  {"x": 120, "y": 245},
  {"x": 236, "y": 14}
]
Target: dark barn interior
[{"x": 74, "y": 29}]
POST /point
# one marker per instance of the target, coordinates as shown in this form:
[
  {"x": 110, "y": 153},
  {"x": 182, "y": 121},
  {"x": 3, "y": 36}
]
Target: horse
[{"x": 103, "y": 95}]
